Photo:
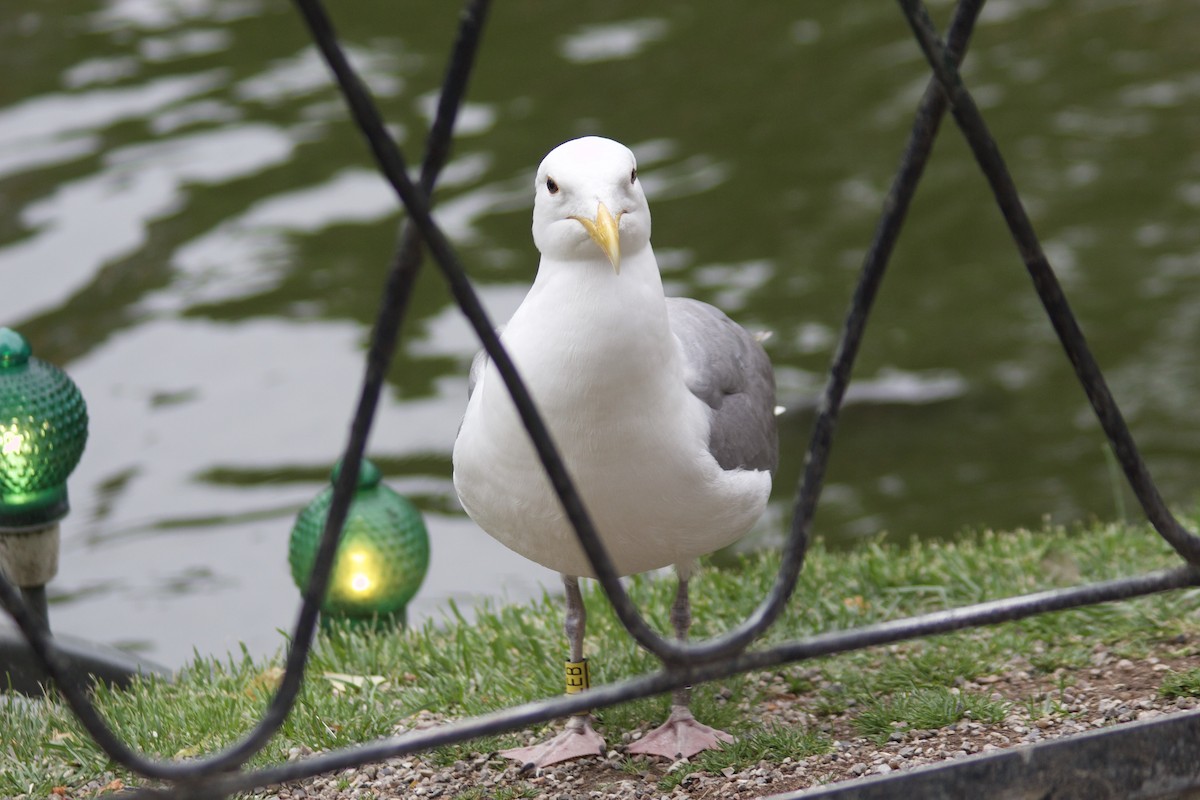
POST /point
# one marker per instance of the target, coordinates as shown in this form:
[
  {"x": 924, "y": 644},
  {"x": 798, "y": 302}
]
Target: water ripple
[
  {"x": 619, "y": 40},
  {"x": 140, "y": 184}
]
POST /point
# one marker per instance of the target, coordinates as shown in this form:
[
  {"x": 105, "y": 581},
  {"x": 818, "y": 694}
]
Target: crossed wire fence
[{"x": 683, "y": 663}]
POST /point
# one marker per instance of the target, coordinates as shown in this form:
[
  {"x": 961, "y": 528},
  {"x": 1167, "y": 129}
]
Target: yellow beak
[{"x": 604, "y": 232}]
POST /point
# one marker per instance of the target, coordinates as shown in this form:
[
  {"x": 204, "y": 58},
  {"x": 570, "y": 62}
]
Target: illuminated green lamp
[
  {"x": 382, "y": 556},
  {"x": 43, "y": 428}
]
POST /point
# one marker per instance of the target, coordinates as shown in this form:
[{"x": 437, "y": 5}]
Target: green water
[{"x": 190, "y": 225}]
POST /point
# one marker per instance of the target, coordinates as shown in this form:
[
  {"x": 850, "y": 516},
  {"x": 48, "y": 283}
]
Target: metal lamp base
[
  {"x": 30, "y": 555},
  {"x": 87, "y": 663}
]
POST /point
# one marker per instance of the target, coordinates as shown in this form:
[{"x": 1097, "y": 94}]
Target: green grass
[
  {"x": 923, "y": 709},
  {"x": 503, "y": 793},
  {"x": 1181, "y": 684},
  {"x": 1038, "y": 707},
  {"x": 514, "y": 654}
]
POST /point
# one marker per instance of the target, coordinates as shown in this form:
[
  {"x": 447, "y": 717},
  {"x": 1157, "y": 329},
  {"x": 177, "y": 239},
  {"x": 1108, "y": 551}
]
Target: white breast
[{"x": 595, "y": 350}]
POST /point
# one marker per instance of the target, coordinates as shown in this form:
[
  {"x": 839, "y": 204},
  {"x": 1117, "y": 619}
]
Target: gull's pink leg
[
  {"x": 577, "y": 739},
  {"x": 681, "y": 736}
]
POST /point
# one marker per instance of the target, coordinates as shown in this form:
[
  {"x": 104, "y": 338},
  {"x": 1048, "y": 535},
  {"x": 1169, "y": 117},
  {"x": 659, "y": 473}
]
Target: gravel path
[{"x": 1111, "y": 692}]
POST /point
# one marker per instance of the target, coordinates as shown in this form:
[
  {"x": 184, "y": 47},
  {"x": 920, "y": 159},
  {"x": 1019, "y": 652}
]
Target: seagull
[{"x": 663, "y": 410}]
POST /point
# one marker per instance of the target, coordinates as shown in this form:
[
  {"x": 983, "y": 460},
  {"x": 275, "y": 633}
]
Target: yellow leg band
[{"x": 578, "y": 678}]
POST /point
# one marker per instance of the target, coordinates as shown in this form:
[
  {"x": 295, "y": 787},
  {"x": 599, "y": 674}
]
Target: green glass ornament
[
  {"x": 43, "y": 429},
  {"x": 382, "y": 557}
]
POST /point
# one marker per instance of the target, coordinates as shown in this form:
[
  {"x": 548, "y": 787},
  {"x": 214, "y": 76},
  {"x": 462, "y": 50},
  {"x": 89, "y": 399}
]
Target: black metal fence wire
[{"x": 684, "y": 663}]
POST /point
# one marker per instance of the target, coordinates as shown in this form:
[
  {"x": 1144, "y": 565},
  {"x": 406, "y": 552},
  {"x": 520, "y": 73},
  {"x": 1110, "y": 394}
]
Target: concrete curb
[{"x": 1156, "y": 759}]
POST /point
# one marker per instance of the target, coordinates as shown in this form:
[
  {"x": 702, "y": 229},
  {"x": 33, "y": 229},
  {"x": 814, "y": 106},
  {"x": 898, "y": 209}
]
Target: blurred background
[{"x": 190, "y": 225}]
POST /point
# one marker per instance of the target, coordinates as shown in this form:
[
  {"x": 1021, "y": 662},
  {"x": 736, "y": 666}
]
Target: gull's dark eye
[
  {"x": 633, "y": 176},
  {"x": 551, "y": 186}
]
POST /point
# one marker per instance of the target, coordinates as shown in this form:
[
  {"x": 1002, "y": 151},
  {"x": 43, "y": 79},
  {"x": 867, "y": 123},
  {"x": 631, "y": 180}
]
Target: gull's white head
[{"x": 589, "y": 203}]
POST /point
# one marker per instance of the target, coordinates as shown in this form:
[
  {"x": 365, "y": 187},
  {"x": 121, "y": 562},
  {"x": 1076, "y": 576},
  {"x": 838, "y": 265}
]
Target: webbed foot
[
  {"x": 681, "y": 736},
  {"x": 577, "y": 740}
]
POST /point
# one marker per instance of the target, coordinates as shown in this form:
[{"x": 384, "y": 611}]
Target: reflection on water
[
  {"x": 191, "y": 226},
  {"x": 624, "y": 39}
]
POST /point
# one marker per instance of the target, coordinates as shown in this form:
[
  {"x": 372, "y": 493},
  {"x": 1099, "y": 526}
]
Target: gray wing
[{"x": 728, "y": 369}]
